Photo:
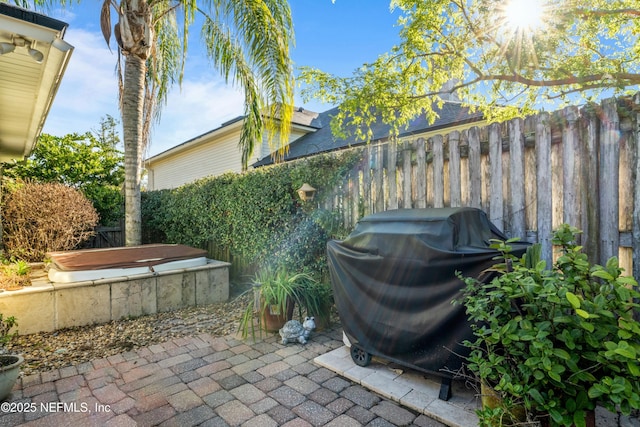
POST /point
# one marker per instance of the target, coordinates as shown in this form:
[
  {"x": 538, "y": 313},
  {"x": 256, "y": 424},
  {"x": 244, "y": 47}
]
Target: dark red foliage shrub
[{"x": 42, "y": 217}]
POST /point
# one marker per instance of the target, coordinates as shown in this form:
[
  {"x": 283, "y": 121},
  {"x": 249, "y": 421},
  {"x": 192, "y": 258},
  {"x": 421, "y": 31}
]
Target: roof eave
[{"x": 28, "y": 87}]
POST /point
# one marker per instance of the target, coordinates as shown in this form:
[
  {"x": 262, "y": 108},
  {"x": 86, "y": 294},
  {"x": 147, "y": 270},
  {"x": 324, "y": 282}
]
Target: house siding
[
  {"x": 265, "y": 150},
  {"x": 210, "y": 157},
  {"x": 217, "y": 152},
  {"x": 206, "y": 159}
]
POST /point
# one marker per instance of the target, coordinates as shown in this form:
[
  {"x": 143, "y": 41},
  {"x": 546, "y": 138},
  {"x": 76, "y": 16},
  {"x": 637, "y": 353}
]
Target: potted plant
[
  {"x": 553, "y": 343},
  {"x": 316, "y": 297},
  {"x": 276, "y": 291},
  {"x": 9, "y": 363}
]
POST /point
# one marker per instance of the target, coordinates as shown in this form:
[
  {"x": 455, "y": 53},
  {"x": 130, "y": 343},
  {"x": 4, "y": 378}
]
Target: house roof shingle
[{"x": 323, "y": 140}]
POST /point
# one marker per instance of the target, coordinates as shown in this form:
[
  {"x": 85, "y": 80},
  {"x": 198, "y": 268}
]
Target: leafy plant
[
  {"x": 14, "y": 274},
  {"x": 555, "y": 341},
  {"x": 6, "y": 324},
  {"x": 21, "y": 268},
  {"x": 317, "y": 297},
  {"x": 276, "y": 289},
  {"x": 253, "y": 224},
  {"x": 89, "y": 162}
]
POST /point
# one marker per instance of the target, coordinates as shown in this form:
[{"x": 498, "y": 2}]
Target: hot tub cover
[
  {"x": 394, "y": 282},
  {"x": 124, "y": 257}
]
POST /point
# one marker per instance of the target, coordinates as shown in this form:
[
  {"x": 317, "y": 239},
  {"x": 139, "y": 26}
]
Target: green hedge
[{"x": 255, "y": 218}]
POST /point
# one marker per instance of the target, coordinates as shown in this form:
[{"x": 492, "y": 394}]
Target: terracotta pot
[
  {"x": 273, "y": 320},
  {"x": 491, "y": 399}
]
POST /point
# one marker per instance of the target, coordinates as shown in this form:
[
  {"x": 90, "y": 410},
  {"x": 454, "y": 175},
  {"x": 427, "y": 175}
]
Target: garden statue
[{"x": 294, "y": 331}]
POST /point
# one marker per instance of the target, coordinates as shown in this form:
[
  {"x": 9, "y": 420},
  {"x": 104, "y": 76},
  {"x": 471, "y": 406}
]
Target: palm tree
[{"x": 248, "y": 43}]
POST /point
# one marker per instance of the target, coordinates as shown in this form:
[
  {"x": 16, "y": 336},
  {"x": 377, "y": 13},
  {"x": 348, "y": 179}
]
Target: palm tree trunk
[{"x": 132, "y": 123}]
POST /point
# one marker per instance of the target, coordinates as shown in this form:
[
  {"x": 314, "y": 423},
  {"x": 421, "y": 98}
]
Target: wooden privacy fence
[
  {"x": 106, "y": 237},
  {"x": 578, "y": 166}
]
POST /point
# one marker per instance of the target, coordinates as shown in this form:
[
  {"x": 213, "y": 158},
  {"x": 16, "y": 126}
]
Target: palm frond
[{"x": 249, "y": 42}]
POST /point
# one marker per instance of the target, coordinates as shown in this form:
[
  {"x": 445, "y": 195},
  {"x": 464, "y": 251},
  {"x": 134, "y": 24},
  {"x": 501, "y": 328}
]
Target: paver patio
[
  {"x": 204, "y": 381},
  {"x": 214, "y": 381}
]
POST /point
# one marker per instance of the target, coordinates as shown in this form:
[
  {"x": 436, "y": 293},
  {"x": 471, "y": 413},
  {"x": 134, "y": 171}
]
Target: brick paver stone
[
  {"x": 393, "y": 413},
  {"x": 235, "y": 413},
  {"x": 297, "y": 422},
  {"x": 184, "y": 400},
  {"x": 263, "y": 405},
  {"x": 248, "y": 394},
  {"x": 360, "y": 396},
  {"x": 262, "y": 420},
  {"x": 287, "y": 396},
  {"x": 121, "y": 421},
  {"x": 109, "y": 394},
  {"x": 302, "y": 385},
  {"x": 193, "y": 417},
  {"x": 343, "y": 421},
  {"x": 313, "y": 413}
]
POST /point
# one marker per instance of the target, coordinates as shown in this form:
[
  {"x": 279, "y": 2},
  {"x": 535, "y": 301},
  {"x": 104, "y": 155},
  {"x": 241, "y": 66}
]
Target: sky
[{"x": 334, "y": 37}]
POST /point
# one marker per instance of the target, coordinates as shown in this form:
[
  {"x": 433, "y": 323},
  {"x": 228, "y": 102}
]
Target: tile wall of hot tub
[{"x": 47, "y": 306}]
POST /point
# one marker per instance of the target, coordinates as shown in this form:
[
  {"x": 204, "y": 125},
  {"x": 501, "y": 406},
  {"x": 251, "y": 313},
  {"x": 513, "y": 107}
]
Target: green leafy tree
[
  {"x": 90, "y": 163},
  {"x": 506, "y": 58},
  {"x": 248, "y": 43}
]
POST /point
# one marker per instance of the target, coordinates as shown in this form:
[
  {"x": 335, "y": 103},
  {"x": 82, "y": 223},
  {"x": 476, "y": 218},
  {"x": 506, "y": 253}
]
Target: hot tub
[
  {"x": 96, "y": 286},
  {"x": 95, "y": 264}
]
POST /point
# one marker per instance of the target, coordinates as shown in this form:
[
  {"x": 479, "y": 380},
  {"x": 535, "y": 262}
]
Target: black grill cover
[{"x": 394, "y": 282}]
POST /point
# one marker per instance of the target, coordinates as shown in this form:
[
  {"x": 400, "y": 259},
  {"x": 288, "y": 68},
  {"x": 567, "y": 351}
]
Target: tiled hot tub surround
[{"x": 47, "y": 306}]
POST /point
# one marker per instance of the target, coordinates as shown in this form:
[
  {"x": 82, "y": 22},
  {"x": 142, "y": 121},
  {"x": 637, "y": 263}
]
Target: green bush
[
  {"x": 42, "y": 217},
  {"x": 256, "y": 218},
  {"x": 90, "y": 163},
  {"x": 555, "y": 342}
]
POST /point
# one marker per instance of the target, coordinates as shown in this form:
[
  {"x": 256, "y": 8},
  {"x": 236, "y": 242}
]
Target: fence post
[
  {"x": 455, "y": 194},
  {"x": 392, "y": 177},
  {"x": 608, "y": 182},
  {"x": 545, "y": 189},
  {"x": 572, "y": 171},
  {"x": 516, "y": 178},
  {"x": 378, "y": 185},
  {"x": 496, "y": 199},
  {"x": 438, "y": 171},
  {"x": 366, "y": 180},
  {"x": 406, "y": 172},
  {"x": 636, "y": 195},
  {"x": 475, "y": 169},
  {"x": 421, "y": 174},
  {"x": 591, "y": 190}
]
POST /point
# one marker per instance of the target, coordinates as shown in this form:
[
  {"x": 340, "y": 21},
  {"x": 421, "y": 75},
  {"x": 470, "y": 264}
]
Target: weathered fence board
[
  {"x": 475, "y": 169},
  {"x": 455, "y": 193},
  {"x": 579, "y": 166},
  {"x": 591, "y": 189},
  {"x": 516, "y": 179},
  {"x": 496, "y": 199},
  {"x": 106, "y": 237},
  {"x": 406, "y": 175},
  {"x": 421, "y": 174},
  {"x": 544, "y": 211},
  {"x": 438, "y": 171},
  {"x": 609, "y": 157},
  {"x": 635, "y": 129},
  {"x": 392, "y": 177}
]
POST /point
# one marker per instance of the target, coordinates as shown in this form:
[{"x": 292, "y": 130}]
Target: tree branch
[
  {"x": 630, "y": 78},
  {"x": 602, "y": 12}
]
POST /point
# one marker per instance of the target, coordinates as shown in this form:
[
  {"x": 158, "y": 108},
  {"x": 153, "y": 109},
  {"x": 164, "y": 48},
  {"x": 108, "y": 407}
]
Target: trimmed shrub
[
  {"x": 42, "y": 217},
  {"x": 255, "y": 218}
]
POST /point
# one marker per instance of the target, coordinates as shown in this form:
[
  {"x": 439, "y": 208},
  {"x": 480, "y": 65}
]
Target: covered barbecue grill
[{"x": 394, "y": 282}]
